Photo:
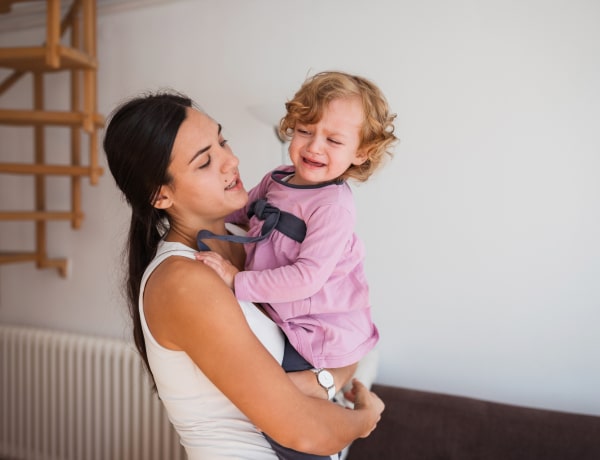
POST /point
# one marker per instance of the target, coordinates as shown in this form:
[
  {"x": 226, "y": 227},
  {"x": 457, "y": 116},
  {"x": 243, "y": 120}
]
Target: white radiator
[{"x": 71, "y": 397}]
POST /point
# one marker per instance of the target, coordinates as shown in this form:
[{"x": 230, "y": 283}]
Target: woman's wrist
[
  {"x": 326, "y": 382},
  {"x": 307, "y": 384},
  {"x": 343, "y": 375}
]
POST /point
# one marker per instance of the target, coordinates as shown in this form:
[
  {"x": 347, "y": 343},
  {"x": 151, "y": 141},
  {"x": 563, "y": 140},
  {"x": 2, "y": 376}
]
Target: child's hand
[{"x": 225, "y": 269}]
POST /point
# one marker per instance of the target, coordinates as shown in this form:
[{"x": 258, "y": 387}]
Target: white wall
[{"x": 482, "y": 233}]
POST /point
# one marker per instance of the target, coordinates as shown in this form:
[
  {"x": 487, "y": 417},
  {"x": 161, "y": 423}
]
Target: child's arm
[
  {"x": 329, "y": 231},
  {"x": 320, "y": 252}
]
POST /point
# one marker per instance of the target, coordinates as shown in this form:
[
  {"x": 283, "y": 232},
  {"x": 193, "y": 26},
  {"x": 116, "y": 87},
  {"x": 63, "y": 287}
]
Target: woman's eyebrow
[
  {"x": 205, "y": 149},
  {"x": 198, "y": 153}
]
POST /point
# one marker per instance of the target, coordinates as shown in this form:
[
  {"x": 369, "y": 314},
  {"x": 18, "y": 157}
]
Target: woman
[{"x": 215, "y": 362}]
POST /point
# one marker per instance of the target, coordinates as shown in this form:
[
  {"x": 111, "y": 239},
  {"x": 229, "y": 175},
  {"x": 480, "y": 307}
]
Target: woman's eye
[
  {"x": 223, "y": 142},
  {"x": 206, "y": 163},
  {"x": 302, "y": 131}
]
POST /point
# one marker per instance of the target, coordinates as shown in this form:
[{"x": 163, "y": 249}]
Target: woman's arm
[
  {"x": 189, "y": 308},
  {"x": 304, "y": 380}
]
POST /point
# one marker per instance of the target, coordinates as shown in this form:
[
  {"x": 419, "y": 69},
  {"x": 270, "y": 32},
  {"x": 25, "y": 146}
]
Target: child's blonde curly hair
[{"x": 377, "y": 134}]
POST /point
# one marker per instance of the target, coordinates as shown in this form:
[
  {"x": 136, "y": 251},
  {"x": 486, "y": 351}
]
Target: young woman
[{"x": 215, "y": 361}]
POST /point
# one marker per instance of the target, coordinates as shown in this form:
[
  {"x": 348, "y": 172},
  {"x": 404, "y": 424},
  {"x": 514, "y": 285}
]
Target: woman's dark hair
[{"x": 138, "y": 142}]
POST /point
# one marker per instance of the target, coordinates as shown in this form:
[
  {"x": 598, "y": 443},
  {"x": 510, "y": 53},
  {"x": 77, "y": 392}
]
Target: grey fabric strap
[{"x": 274, "y": 219}]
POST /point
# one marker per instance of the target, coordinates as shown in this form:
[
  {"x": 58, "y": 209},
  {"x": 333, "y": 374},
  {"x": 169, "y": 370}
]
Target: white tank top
[{"x": 208, "y": 424}]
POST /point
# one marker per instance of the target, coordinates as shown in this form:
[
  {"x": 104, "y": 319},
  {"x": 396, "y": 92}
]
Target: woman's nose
[{"x": 230, "y": 161}]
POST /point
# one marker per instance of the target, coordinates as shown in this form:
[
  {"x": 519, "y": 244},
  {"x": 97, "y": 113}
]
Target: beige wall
[{"x": 482, "y": 233}]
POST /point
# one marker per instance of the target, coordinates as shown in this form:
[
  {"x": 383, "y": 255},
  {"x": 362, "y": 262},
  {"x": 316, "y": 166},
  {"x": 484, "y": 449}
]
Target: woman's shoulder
[
  {"x": 175, "y": 263},
  {"x": 182, "y": 297},
  {"x": 181, "y": 276}
]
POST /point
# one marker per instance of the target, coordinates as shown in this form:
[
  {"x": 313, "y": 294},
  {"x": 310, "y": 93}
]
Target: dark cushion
[{"x": 418, "y": 425}]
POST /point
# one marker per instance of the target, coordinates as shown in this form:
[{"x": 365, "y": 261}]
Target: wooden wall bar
[{"x": 77, "y": 60}]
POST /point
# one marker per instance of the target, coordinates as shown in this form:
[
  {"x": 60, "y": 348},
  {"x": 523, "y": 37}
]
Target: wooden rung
[
  {"x": 62, "y": 265},
  {"x": 40, "y": 215},
  {"x": 6, "y": 5},
  {"x": 34, "y": 59},
  {"x": 12, "y": 257},
  {"x": 75, "y": 59},
  {"x": 55, "y": 170},
  {"x": 46, "y": 117}
]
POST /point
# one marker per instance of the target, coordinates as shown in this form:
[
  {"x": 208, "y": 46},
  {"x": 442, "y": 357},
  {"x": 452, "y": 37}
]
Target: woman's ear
[{"x": 162, "y": 199}]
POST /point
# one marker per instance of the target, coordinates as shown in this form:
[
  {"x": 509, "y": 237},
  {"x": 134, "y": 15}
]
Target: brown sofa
[{"x": 418, "y": 425}]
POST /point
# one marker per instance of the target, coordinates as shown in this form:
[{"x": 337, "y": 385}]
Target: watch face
[{"x": 326, "y": 379}]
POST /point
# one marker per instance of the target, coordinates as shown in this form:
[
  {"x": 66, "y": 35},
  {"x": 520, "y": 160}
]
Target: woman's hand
[
  {"x": 365, "y": 400},
  {"x": 224, "y": 268}
]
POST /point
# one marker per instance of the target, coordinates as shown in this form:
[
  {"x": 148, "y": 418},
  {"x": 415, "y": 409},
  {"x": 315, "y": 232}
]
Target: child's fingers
[
  {"x": 211, "y": 258},
  {"x": 214, "y": 265}
]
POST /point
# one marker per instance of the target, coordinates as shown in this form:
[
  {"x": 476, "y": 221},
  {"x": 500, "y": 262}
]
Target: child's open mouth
[{"x": 315, "y": 164}]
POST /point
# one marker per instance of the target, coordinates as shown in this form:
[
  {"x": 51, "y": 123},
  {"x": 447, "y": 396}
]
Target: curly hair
[{"x": 377, "y": 134}]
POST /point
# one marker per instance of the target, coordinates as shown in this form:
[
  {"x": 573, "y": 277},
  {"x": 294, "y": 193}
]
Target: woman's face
[{"x": 206, "y": 185}]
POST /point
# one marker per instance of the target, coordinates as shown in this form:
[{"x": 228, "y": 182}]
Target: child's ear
[
  {"x": 162, "y": 199},
  {"x": 361, "y": 156}
]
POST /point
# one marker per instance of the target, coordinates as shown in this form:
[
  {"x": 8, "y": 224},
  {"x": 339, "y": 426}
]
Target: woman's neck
[
  {"x": 234, "y": 252},
  {"x": 177, "y": 235}
]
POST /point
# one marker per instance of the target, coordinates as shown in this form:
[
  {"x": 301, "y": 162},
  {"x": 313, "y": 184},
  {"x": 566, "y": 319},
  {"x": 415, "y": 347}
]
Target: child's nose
[{"x": 315, "y": 146}]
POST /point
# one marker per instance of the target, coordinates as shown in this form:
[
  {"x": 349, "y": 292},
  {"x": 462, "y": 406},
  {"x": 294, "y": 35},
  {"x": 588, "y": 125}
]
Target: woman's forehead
[
  {"x": 197, "y": 126},
  {"x": 197, "y": 132}
]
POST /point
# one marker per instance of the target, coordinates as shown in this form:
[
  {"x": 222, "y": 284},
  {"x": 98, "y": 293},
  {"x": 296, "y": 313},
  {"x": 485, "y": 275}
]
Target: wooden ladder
[{"x": 77, "y": 60}]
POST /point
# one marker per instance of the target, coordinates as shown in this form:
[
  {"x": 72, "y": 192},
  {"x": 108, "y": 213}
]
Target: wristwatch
[{"x": 325, "y": 379}]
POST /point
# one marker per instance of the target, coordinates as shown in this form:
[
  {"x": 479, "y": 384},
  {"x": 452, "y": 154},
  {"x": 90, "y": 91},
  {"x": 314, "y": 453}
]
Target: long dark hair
[{"x": 138, "y": 142}]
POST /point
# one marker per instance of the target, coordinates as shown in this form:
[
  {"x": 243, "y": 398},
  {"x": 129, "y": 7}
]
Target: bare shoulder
[
  {"x": 182, "y": 298},
  {"x": 179, "y": 275}
]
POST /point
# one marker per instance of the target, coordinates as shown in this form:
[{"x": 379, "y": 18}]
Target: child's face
[{"x": 324, "y": 151}]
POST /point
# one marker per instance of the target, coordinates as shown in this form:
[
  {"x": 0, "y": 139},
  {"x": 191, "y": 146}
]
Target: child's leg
[{"x": 292, "y": 360}]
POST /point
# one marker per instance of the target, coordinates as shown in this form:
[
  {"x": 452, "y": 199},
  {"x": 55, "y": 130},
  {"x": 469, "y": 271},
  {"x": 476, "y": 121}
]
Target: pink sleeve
[{"x": 329, "y": 230}]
